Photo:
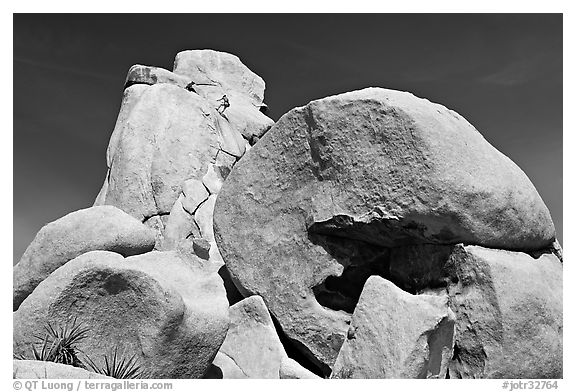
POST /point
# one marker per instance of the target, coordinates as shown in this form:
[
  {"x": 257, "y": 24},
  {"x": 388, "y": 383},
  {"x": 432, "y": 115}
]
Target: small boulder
[
  {"x": 508, "y": 308},
  {"x": 394, "y": 334},
  {"x": 252, "y": 342},
  {"x": 201, "y": 248},
  {"x": 95, "y": 228}
]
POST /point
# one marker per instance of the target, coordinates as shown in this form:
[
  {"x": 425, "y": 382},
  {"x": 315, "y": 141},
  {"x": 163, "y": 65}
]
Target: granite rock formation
[
  {"x": 95, "y": 228},
  {"x": 171, "y": 149},
  {"x": 167, "y": 308},
  {"x": 340, "y": 188},
  {"x": 371, "y": 234}
]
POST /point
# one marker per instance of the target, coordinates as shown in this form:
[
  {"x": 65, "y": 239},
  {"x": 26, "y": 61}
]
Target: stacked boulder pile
[{"x": 371, "y": 234}]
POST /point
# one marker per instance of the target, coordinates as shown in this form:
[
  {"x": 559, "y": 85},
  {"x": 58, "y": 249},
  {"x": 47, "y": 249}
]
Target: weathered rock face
[
  {"x": 24, "y": 369},
  {"x": 171, "y": 149},
  {"x": 252, "y": 343},
  {"x": 508, "y": 307},
  {"x": 346, "y": 221},
  {"x": 95, "y": 228},
  {"x": 224, "y": 367},
  {"x": 143, "y": 74},
  {"x": 363, "y": 172},
  {"x": 215, "y": 74},
  {"x": 168, "y": 136},
  {"x": 395, "y": 334},
  {"x": 219, "y": 69},
  {"x": 167, "y": 308}
]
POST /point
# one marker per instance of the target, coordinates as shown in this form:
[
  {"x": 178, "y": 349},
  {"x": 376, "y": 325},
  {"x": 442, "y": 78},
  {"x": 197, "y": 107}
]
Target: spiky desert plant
[
  {"x": 118, "y": 366},
  {"x": 59, "y": 343}
]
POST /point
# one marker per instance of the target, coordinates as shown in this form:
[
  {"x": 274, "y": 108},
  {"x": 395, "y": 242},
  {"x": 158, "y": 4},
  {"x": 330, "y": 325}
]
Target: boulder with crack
[
  {"x": 171, "y": 148},
  {"x": 251, "y": 344},
  {"x": 167, "y": 309},
  {"x": 508, "y": 308},
  {"x": 95, "y": 228},
  {"x": 394, "y": 334},
  {"x": 314, "y": 209}
]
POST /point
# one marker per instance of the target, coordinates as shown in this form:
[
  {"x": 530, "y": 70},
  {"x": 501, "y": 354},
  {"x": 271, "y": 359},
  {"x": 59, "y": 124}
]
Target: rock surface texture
[
  {"x": 395, "y": 334},
  {"x": 290, "y": 369},
  {"x": 167, "y": 308},
  {"x": 171, "y": 148},
  {"x": 319, "y": 201},
  {"x": 24, "y": 369},
  {"x": 371, "y": 234},
  {"x": 508, "y": 307},
  {"x": 252, "y": 342},
  {"x": 95, "y": 228}
]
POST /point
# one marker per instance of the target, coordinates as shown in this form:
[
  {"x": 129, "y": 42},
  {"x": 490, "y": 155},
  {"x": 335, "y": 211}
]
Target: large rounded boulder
[
  {"x": 94, "y": 228},
  {"x": 166, "y": 310},
  {"x": 341, "y": 181}
]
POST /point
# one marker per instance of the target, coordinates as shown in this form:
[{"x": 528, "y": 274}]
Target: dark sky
[{"x": 502, "y": 72}]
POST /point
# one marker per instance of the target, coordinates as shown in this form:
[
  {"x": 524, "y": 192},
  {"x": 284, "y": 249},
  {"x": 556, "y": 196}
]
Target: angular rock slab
[
  {"x": 167, "y": 308},
  {"x": 508, "y": 307},
  {"x": 375, "y": 165},
  {"x": 395, "y": 334},
  {"x": 26, "y": 369},
  {"x": 95, "y": 228},
  {"x": 179, "y": 227},
  {"x": 252, "y": 343}
]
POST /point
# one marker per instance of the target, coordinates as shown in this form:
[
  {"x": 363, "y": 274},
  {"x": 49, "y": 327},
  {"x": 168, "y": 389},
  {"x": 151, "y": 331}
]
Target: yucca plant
[
  {"x": 59, "y": 344},
  {"x": 118, "y": 366}
]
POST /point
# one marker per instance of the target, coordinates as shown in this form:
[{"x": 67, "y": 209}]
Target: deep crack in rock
[{"x": 364, "y": 250}]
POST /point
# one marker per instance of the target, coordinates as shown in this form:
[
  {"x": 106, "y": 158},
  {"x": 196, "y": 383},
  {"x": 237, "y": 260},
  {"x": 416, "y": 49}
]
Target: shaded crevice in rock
[
  {"x": 234, "y": 296},
  {"x": 360, "y": 261},
  {"x": 160, "y": 214},
  {"x": 295, "y": 350},
  {"x": 415, "y": 268},
  {"x": 437, "y": 344},
  {"x": 554, "y": 249},
  {"x": 383, "y": 229}
]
